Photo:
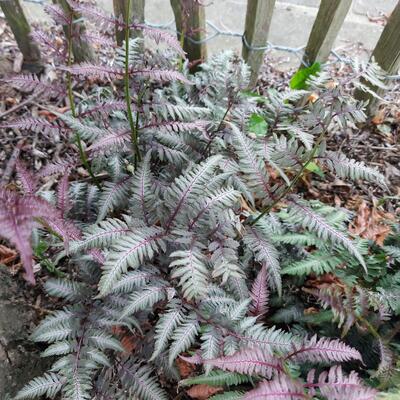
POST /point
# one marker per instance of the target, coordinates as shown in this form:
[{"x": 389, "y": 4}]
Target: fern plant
[{"x": 192, "y": 244}]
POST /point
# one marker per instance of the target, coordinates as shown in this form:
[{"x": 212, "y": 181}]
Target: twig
[
  {"x": 20, "y": 105},
  {"x": 11, "y": 163}
]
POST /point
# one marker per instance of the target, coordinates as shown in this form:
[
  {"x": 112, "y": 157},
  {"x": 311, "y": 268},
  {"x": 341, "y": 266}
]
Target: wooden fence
[{"x": 191, "y": 26}]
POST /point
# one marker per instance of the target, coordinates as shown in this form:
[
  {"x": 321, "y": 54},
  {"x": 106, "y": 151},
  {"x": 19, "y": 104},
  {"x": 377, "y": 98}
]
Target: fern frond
[
  {"x": 259, "y": 293},
  {"x": 281, "y": 387},
  {"x": 254, "y": 361},
  {"x": 165, "y": 327},
  {"x": 104, "y": 342},
  {"x": 216, "y": 378},
  {"x": 183, "y": 337},
  {"x": 142, "y": 194},
  {"x": 88, "y": 70},
  {"x": 34, "y": 124},
  {"x": 100, "y": 235},
  {"x": 64, "y": 288},
  {"x": 324, "y": 350},
  {"x": 211, "y": 341},
  {"x": 225, "y": 261},
  {"x": 140, "y": 381},
  {"x": 317, "y": 263},
  {"x": 159, "y": 35},
  {"x": 49, "y": 384},
  {"x": 348, "y": 168},
  {"x": 105, "y": 108},
  {"x": 132, "y": 280},
  {"x": 161, "y": 75},
  {"x": 218, "y": 199},
  {"x": 232, "y": 395},
  {"x": 30, "y": 82},
  {"x": 266, "y": 253},
  {"x": 191, "y": 269},
  {"x": 335, "y": 385},
  {"x": 143, "y": 299},
  {"x": 130, "y": 251},
  {"x": 307, "y": 218},
  {"x": 252, "y": 166},
  {"x": 188, "y": 185},
  {"x": 113, "y": 195},
  {"x": 110, "y": 142},
  {"x": 58, "y": 348}
]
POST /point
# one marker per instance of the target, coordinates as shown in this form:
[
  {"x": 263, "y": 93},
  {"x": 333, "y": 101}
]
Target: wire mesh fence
[{"x": 214, "y": 32}]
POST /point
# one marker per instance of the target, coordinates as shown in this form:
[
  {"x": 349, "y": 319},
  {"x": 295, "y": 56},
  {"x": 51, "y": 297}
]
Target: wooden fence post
[
  {"x": 190, "y": 20},
  {"x": 20, "y": 27},
  {"x": 387, "y": 55},
  {"x": 81, "y": 48},
  {"x": 330, "y": 18},
  {"x": 258, "y": 21},
  {"x": 136, "y": 15}
]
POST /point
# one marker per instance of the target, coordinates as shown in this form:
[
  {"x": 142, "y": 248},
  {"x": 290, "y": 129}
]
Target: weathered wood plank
[
  {"x": 20, "y": 27},
  {"x": 136, "y": 11},
  {"x": 258, "y": 21},
  {"x": 81, "y": 48},
  {"x": 330, "y": 18},
  {"x": 190, "y": 20},
  {"x": 387, "y": 55}
]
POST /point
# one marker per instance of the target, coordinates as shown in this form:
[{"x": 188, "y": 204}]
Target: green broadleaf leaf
[
  {"x": 299, "y": 79},
  {"x": 258, "y": 125},
  {"x": 313, "y": 167}
]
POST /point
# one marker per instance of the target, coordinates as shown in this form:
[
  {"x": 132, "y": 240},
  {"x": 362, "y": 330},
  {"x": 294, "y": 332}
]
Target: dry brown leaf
[
  {"x": 185, "y": 368},
  {"x": 203, "y": 392},
  {"x": 127, "y": 339},
  {"x": 379, "y": 117},
  {"x": 312, "y": 98},
  {"x": 370, "y": 224},
  {"x": 8, "y": 258},
  {"x": 50, "y": 116}
]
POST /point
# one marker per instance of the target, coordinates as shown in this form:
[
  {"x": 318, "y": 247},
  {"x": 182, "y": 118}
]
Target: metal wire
[{"x": 212, "y": 32}]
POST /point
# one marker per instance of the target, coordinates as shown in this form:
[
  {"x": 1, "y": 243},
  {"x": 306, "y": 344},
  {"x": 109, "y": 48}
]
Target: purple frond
[
  {"x": 259, "y": 293},
  {"x": 110, "y": 142},
  {"x": 387, "y": 358},
  {"x": 103, "y": 20},
  {"x": 57, "y": 14},
  {"x": 105, "y": 108},
  {"x": 335, "y": 385},
  {"x": 161, "y": 75},
  {"x": 324, "y": 350},
  {"x": 63, "y": 228},
  {"x": 18, "y": 216},
  {"x": 159, "y": 35},
  {"x": 99, "y": 39},
  {"x": 280, "y": 388},
  {"x": 63, "y": 203},
  {"x": 178, "y": 126},
  {"x": 98, "y": 256},
  {"x": 195, "y": 359},
  {"x": 48, "y": 42},
  {"x": 16, "y": 224},
  {"x": 57, "y": 167},
  {"x": 254, "y": 361},
  {"x": 102, "y": 72},
  {"x": 34, "y": 124},
  {"x": 30, "y": 82},
  {"x": 27, "y": 179}
]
